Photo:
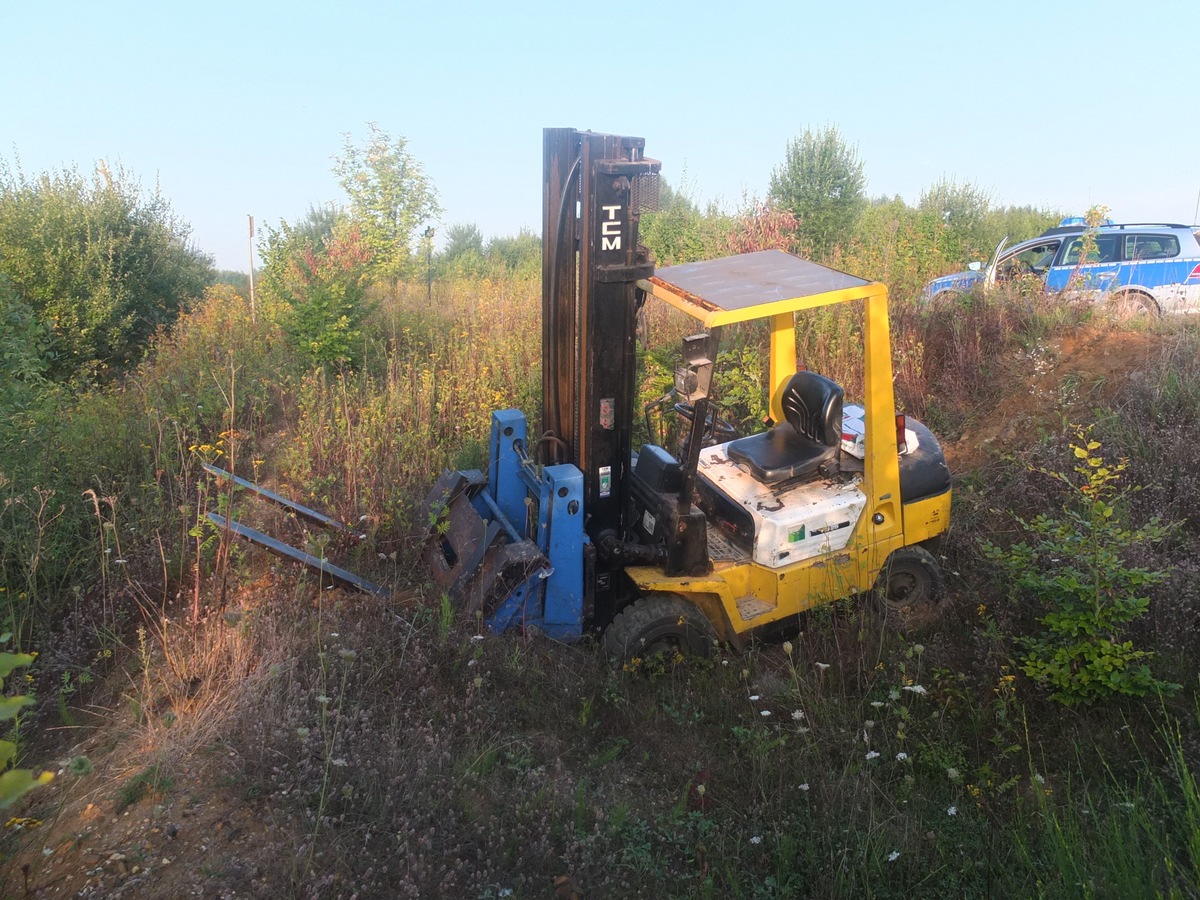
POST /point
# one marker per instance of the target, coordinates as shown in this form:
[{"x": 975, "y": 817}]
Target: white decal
[{"x": 610, "y": 231}]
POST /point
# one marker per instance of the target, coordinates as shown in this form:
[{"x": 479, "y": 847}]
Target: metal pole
[{"x": 253, "y": 315}]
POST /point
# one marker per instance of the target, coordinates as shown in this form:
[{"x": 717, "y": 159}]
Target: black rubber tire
[
  {"x": 659, "y": 624},
  {"x": 910, "y": 585},
  {"x": 1134, "y": 305}
]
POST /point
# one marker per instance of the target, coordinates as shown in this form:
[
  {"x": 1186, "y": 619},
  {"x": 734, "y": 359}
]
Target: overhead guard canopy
[{"x": 754, "y": 286}]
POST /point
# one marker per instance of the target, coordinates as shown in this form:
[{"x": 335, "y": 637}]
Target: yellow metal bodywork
[{"x": 885, "y": 524}]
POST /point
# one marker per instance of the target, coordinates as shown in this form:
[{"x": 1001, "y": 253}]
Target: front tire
[{"x": 663, "y": 625}]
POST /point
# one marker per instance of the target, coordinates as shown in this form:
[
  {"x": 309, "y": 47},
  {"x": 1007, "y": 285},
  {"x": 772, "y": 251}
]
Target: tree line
[{"x": 91, "y": 266}]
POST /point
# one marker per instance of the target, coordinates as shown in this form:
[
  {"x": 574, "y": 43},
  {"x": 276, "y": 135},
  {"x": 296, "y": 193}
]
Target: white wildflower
[
  {"x": 754, "y": 696},
  {"x": 787, "y": 647},
  {"x": 893, "y": 856},
  {"x": 915, "y": 688},
  {"x": 878, "y": 704},
  {"x": 872, "y": 754},
  {"x": 756, "y": 839},
  {"x": 798, "y": 714},
  {"x": 322, "y": 699},
  {"x": 822, "y": 666},
  {"x": 952, "y": 811},
  {"x": 476, "y": 638},
  {"x": 953, "y": 774},
  {"x": 804, "y": 787},
  {"x": 339, "y": 762},
  {"x": 764, "y": 713},
  {"x": 901, "y": 756}
]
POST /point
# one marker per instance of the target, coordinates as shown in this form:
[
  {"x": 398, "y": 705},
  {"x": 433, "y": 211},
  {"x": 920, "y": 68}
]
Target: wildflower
[
  {"x": 724, "y": 662},
  {"x": 822, "y": 666},
  {"x": 901, "y": 756},
  {"x": 754, "y": 696},
  {"x": 918, "y": 649},
  {"x": 302, "y": 732},
  {"x": 870, "y": 723},
  {"x": 119, "y": 562},
  {"x": 872, "y": 754},
  {"x": 798, "y": 714},
  {"x": 804, "y": 787},
  {"x": 878, "y": 704},
  {"x": 476, "y": 638},
  {"x": 478, "y": 681},
  {"x": 471, "y": 662},
  {"x": 764, "y": 713},
  {"x": 745, "y": 673},
  {"x": 338, "y": 761},
  {"x": 953, "y": 774},
  {"x": 916, "y": 688},
  {"x": 701, "y": 790},
  {"x": 893, "y": 694},
  {"x": 756, "y": 839},
  {"x": 893, "y": 856},
  {"x": 347, "y": 655},
  {"x": 952, "y": 811},
  {"x": 322, "y": 699},
  {"x": 787, "y": 647}
]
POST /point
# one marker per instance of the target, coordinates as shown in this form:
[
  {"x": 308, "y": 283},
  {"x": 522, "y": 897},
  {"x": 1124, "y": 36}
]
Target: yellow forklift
[{"x": 571, "y": 531}]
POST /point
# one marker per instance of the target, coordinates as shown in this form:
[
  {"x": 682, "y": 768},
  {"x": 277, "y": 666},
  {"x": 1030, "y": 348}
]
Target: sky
[{"x": 238, "y": 108}]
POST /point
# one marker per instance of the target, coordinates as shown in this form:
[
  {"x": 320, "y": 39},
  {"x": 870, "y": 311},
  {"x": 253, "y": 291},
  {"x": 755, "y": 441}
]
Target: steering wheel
[{"x": 714, "y": 426}]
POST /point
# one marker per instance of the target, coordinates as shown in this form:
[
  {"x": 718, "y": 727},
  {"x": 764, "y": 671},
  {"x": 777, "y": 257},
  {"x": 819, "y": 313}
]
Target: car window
[
  {"x": 1033, "y": 260},
  {"x": 1104, "y": 252},
  {"x": 1151, "y": 246}
]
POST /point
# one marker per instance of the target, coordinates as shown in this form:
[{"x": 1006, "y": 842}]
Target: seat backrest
[{"x": 812, "y": 404}]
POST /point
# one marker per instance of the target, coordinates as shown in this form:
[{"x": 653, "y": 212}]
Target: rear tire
[
  {"x": 1130, "y": 306},
  {"x": 659, "y": 625},
  {"x": 910, "y": 587}
]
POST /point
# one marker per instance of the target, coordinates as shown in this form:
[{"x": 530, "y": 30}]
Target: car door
[{"x": 1086, "y": 268}]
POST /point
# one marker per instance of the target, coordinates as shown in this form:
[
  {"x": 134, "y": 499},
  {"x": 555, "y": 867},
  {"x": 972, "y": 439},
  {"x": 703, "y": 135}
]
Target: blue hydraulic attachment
[{"x": 519, "y": 558}]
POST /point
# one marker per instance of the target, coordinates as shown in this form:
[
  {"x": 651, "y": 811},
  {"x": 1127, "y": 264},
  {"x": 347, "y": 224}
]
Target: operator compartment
[{"x": 779, "y": 524}]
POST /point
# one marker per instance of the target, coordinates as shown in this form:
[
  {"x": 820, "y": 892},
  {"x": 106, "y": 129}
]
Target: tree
[
  {"x": 680, "y": 231},
  {"x": 391, "y": 201},
  {"x": 521, "y": 252},
  {"x": 322, "y": 284},
  {"x": 100, "y": 265},
  {"x": 821, "y": 182},
  {"x": 462, "y": 240}
]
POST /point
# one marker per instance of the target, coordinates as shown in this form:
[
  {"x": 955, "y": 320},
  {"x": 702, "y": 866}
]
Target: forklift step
[
  {"x": 751, "y": 607},
  {"x": 722, "y": 549}
]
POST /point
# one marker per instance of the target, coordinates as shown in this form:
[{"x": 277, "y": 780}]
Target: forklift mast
[{"x": 595, "y": 188}]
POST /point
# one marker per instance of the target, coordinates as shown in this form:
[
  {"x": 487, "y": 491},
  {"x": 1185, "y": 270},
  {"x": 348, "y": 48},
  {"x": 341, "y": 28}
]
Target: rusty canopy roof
[{"x": 754, "y": 286}]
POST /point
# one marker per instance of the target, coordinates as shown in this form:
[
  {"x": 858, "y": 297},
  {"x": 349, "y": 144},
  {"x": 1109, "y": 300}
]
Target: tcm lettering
[{"x": 610, "y": 229}]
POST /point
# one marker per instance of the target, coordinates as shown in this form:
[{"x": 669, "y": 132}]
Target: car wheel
[
  {"x": 1133, "y": 305},
  {"x": 663, "y": 625}
]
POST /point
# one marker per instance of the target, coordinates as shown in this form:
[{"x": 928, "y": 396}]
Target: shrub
[{"x": 1073, "y": 566}]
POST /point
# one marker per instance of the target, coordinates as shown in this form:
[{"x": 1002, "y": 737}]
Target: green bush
[{"x": 1073, "y": 566}]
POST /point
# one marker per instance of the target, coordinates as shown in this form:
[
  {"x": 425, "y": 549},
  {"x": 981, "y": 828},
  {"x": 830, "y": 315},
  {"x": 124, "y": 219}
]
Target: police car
[{"x": 1139, "y": 268}]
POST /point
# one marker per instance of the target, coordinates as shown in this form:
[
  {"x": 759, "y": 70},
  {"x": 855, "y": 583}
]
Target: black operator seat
[{"x": 812, "y": 405}]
